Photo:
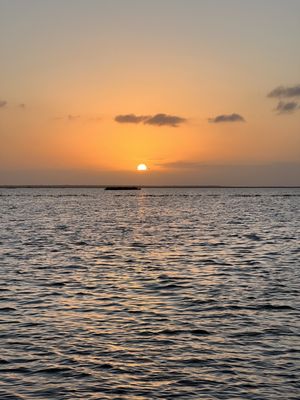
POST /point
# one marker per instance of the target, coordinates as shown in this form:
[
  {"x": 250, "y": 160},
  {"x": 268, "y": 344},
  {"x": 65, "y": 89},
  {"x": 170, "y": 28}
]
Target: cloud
[
  {"x": 164, "y": 119},
  {"x": 287, "y": 107},
  {"x": 73, "y": 117},
  {"x": 182, "y": 164},
  {"x": 157, "y": 119},
  {"x": 3, "y": 104},
  {"x": 69, "y": 118},
  {"x": 130, "y": 118},
  {"x": 227, "y": 118},
  {"x": 285, "y": 91},
  {"x": 78, "y": 118}
]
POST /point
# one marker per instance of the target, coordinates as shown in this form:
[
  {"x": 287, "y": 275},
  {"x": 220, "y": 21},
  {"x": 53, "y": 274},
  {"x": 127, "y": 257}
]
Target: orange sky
[{"x": 76, "y": 69}]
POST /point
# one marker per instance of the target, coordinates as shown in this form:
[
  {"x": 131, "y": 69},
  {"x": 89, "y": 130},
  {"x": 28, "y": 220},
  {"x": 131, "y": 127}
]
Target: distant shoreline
[{"x": 144, "y": 187}]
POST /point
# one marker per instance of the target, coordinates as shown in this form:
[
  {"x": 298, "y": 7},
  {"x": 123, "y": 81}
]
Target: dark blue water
[{"x": 155, "y": 294}]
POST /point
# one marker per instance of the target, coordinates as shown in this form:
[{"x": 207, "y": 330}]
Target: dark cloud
[
  {"x": 165, "y": 120},
  {"x": 2, "y": 103},
  {"x": 130, "y": 118},
  {"x": 285, "y": 91},
  {"x": 227, "y": 118},
  {"x": 157, "y": 119},
  {"x": 286, "y": 107}
]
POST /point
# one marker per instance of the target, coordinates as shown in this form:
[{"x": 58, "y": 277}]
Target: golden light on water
[{"x": 142, "y": 167}]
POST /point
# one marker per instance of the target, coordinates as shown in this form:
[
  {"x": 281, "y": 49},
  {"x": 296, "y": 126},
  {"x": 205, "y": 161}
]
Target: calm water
[{"x": 156, "y": 294}]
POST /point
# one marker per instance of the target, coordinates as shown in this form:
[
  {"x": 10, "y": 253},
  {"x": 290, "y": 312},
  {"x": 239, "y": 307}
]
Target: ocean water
[{"x": 153, "y": 294}]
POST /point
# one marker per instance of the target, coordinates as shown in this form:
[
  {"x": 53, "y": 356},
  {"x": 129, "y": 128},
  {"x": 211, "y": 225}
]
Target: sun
[{"x": 142, "y": 167}]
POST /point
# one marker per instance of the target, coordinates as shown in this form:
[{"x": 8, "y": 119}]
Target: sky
[{"x": 204, "y": 92}]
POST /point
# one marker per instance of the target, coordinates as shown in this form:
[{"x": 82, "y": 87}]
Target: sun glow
[{"x": 142, "y": 167}]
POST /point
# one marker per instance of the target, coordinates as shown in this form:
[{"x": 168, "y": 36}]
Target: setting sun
[{"x": 142, "y": 167}]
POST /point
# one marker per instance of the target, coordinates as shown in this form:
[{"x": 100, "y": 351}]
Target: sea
[{"x": 149, "y": 294}]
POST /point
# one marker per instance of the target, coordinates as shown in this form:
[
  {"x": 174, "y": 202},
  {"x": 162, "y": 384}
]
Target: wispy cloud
[
  {"x": 157, "y": 119},
  {"x": 4, "y": 103},
  {"x": 69, "y": 118},
  {"x": 73, "y": 117},
  {"x": 181, "y": 164},
  {"x": 78, "y": 118},
  {"x": 226, "y": 118},
  {"x": 285, "y": 92},
  {"x": 287, "y": 107}
]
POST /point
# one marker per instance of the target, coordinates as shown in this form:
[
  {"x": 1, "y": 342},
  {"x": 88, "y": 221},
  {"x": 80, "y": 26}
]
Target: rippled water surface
[{"x": 154, "y": 294}]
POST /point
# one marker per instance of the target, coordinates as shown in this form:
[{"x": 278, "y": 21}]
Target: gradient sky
[{"x": 91, "y": 88}]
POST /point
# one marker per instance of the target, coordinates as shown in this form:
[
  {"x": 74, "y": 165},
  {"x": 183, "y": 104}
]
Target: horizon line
[{"x": 67, "y": 186}]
